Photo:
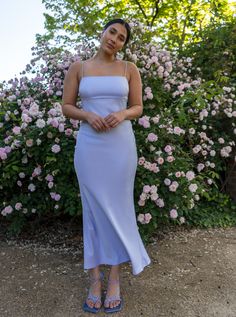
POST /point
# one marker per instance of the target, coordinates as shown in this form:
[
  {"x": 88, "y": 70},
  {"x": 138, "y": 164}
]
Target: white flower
[
  {"x": 143, "y": 196},
  {"x": 200, "y": 167},
  {"x": 160, "y": 202},
  {"x": 193, "y": 188},
  {"x": 153, "y": 189},
  {"x": 173, "y": 187},
  {"x": 197, "y": 148},
  {"x": 31, "y": 187},
  {"x": 56, "y": 148},
  {"x": 38, "y": 141},
  {"x": 141, "y": 218},
  {"x": 190, "y": 175},
  {"x": 40, "y": 123},
  {"x": 167, "y": 181},
  {"x": 154, "y": 196}
]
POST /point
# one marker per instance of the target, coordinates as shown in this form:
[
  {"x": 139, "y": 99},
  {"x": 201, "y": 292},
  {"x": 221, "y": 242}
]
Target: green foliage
[
  {"x": 173, "y": 22},
  {"x": 215, "y": 211},
  {"x": 215, "y": 54}
]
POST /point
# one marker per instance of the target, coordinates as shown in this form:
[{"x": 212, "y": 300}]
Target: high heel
[
  {"x": 115, "y": 297},
  {"x": 92, "y": 297}
]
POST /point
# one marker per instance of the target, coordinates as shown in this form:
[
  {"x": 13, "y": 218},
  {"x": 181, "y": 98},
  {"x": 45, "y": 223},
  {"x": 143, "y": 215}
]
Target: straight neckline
[{"x": 95, "y": 76}]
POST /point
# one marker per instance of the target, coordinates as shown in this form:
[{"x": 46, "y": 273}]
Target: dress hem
[{"x": 136, "y": 272}]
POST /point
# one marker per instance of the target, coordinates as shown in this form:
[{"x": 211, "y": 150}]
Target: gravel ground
[{"x": 192, "y": 274}]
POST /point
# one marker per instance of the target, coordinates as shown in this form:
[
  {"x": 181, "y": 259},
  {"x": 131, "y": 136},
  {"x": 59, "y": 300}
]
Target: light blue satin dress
[{"x": 105, "y": 165}]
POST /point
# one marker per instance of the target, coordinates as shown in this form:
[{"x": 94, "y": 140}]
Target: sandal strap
[
  {"x": 94, "y": 298},
  {"x": 112, "y": 298},
  {"x": 93, "y": 281},
  {"x": 108, "y": 298}
]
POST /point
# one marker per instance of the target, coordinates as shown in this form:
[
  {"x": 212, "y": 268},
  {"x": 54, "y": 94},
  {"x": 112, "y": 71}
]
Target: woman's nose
[{"x": 113, "y": 39}]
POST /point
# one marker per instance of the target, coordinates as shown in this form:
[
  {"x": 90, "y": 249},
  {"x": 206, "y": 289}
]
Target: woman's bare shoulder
[
  {"x": 75, "y": 66},
  {"x": 131, "y": 65}
]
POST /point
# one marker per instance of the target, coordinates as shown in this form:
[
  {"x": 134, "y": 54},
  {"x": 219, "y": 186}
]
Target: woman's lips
[{"x": 110, "y": 46}]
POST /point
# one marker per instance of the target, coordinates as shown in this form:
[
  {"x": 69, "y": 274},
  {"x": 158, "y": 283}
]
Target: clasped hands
[{"x": 101, "y": 124}]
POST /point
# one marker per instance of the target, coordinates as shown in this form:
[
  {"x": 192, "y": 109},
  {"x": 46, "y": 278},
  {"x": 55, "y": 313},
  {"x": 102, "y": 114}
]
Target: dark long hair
[{"x": 121, "y": 21}]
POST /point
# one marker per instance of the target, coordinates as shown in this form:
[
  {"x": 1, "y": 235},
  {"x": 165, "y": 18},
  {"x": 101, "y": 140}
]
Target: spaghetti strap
[
  {"x": 82, "y": 69},
  {"x": 125, "y": 68}
]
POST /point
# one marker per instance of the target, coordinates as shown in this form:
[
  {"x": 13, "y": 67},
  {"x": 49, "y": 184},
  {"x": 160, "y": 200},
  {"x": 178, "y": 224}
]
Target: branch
[
  {"x": 185, "y": 23},
  {"x": 142, "y": 10},
  {"x": 156, "y": 11}
]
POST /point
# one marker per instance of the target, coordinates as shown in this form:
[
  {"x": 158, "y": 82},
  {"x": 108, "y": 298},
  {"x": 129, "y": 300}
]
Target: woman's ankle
[{"x": 114, "y": 272}]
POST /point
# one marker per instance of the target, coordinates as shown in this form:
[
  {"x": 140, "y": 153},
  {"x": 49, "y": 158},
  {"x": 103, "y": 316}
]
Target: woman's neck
[{"x": 101, "y": 56}]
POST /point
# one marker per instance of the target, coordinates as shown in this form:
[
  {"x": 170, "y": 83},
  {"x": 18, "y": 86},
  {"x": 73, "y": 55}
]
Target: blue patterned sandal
[
  {"x": 116, "y": 297},
  {"x": 92, "y": 297}
]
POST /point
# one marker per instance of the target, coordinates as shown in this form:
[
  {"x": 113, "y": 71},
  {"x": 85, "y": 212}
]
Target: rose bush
[{"x": 184, "y": 138}]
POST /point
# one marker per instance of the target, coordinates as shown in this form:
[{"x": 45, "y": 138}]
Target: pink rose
[{"x": 173, "y": 213}]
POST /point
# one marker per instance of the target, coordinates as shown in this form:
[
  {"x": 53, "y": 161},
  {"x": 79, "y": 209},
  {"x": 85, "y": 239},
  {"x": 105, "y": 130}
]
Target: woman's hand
[
  {"x": 97, "y": 122},
  {"x": 115, "y": 118}
]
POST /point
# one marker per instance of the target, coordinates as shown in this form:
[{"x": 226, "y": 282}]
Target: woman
[{"x": 105, "y": 161}]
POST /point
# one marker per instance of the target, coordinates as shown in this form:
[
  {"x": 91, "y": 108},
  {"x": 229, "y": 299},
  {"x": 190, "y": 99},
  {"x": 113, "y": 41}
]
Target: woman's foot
[
  {"x": 93, "y": 302},
  {"x": 113, "y": 294}
]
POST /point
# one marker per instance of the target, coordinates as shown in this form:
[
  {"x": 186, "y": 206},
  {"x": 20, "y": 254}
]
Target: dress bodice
[{"x": 104, "y": 94}]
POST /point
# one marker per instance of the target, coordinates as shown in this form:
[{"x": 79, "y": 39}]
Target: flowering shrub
[{"x": 184, "y": 138}]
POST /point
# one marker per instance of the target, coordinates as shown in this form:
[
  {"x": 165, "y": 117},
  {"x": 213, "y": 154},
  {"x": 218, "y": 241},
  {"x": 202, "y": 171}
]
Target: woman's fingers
[{"x": 101, "y": 125}]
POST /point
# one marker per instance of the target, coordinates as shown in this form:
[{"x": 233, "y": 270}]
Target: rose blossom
[
  {"x": 141, "y": 218},
  {"x": 160, "y": 160},
  {"x": 168, "y": 149},
  {"x": 200, "y": 167},
  {"x": 190, "y": 175},
  {"x": 141, "y": 202},
  {"x": 173, "y": 213},
  {"x": 16, "y": 130},
  {"x": 49, "y": 178},
  {"x": 167, "y": 181},
  {"x": 50, "y": 184},
  {"x": 141, "y": 160},
  {"x": 18, "y": 206},
  {"x": 68, "y": 132},
  {"x": 154, "y": 196},
  {"x": 170, "y": 158},
  {"x": 29, "y": 142},
  {"x": 56, "y": 148},
  {"x": 40, "y": 123},
  {"x": 152, "y": 137},
  {"x": 31, "y": 187},
  {"x": 193, "y": 188},
  {"x": 160, "y": 202},
  {"x": 146, "y": 188},
  {"x": 147, "y": 217}
]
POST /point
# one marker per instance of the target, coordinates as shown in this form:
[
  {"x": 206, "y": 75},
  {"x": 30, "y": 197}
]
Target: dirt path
[{"x": 193, "y": 274}]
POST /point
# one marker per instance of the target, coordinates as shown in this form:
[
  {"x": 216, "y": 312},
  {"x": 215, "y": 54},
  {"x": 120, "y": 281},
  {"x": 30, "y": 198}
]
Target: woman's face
[{"x": 113, "y": 38}]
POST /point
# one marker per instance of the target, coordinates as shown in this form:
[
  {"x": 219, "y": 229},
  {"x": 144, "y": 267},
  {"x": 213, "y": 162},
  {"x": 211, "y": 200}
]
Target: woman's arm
[
  {"x": 70, "y": 93},
  {"x": 135, "y": 101}
]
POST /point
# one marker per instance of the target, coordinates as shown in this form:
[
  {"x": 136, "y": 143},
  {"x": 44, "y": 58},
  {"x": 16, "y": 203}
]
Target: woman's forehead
[{"x": 119, "y": 28}]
